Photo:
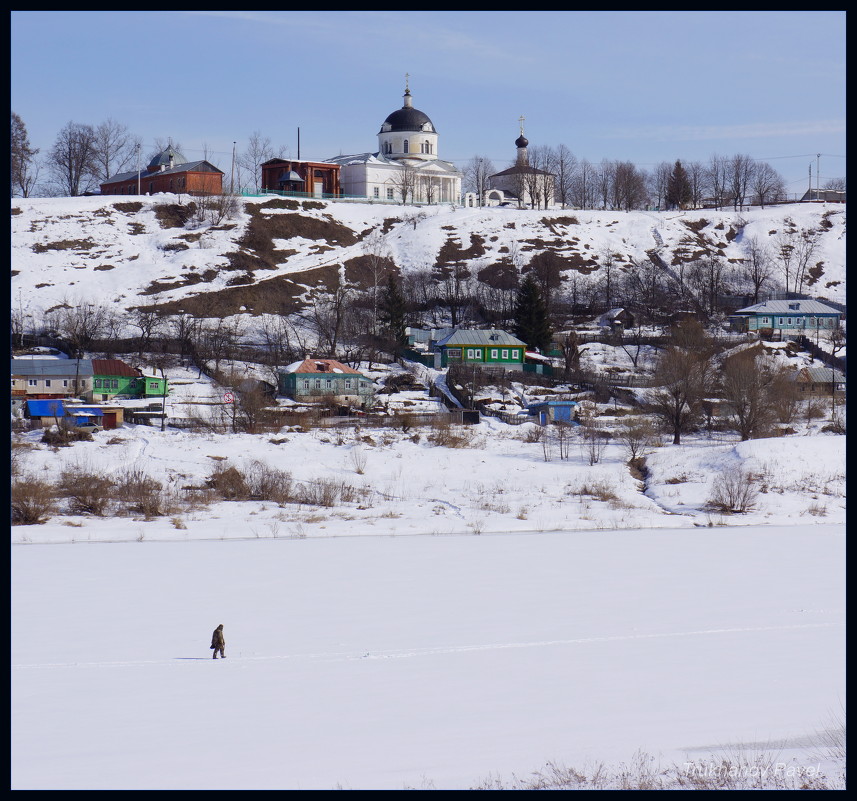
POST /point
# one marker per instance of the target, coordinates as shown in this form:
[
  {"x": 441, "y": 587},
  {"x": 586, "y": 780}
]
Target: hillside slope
[{"x": 275, "y": 252}]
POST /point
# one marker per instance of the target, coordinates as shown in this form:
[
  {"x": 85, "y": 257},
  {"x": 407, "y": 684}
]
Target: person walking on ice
[{"x": 218, "y": 643}]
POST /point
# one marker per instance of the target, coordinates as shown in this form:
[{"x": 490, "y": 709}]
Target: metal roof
[
  {"x": 52, "y": 368},
  {"x": 113, "y": 367},
  {"x": 823, "y": 375},
  {"x": 789, "y": 307},
  {"x": 480, "y": 337},
  {"x": 53, "y": 407},
  {"x": 320, "y": 367}
]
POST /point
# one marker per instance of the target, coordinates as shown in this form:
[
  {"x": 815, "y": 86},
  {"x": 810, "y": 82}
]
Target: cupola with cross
[{"x": 408, "y": 133}]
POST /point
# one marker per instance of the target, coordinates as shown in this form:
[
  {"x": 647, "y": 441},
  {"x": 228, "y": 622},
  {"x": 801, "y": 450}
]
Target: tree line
[
  {"x": 721, "y": 182},
  {"x": 84, "y": 156}
]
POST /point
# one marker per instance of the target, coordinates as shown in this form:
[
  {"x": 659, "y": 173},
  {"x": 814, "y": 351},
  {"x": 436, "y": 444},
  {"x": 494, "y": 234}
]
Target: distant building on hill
[
  {"x": 168, "y": 171},
  {"x": 302, "y": 178},
  {"x": 521, "y": 184},
  {"x": 406, "y": 167}
]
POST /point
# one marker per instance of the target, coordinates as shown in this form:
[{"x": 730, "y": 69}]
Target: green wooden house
[
  {"x": 491, "y": 348},
  {"x": 325, "y": 379},
  {"x": 112, "y": 377}
]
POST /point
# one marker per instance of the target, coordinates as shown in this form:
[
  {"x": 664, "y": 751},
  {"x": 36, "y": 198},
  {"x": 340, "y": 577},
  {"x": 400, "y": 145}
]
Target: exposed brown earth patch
[
  {"x": 174, "y": 215},
  {"x": 128, "y": 208},
  {"x": 65, "y": 244},
  {"x": 452, "y": 252}
]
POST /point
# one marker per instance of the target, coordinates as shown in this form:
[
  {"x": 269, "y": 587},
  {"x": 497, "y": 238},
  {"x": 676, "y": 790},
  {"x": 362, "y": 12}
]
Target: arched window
[{"x": 405, "y": 146}]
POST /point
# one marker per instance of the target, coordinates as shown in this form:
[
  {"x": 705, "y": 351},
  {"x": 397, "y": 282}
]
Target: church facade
[
  {"x": 520, "y": 185},
  {"x": 406, "y": 167}
]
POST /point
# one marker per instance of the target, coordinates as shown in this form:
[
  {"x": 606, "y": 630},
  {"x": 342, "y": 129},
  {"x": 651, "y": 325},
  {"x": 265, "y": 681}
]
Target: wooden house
[
  {"x": 302, "y": 178},
  {"x": 820, "y": 381},
  {"x": 491, "y": 348},
  {"x": 325, "y": 379},
  {"x": 168, "y": 171},
  {"x": 784, "y": 318}
]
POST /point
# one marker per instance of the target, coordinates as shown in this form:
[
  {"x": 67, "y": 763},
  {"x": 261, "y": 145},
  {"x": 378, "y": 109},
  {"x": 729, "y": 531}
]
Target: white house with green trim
[{"x": 786, "y": 317}]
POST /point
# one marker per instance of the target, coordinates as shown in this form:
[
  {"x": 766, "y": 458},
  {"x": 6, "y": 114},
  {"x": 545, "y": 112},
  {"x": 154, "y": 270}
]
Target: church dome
[
  {"x": 521, "y": 141},
  {"x": 163, "y": 159},
  {"x": 408, "y": 118}
]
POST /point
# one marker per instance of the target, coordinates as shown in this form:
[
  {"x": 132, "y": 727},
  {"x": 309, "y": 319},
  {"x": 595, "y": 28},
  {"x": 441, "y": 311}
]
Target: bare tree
[
  {"x": 739, "y": 174},
  {"x": 583, "y": 185},
  {"x": 659, "y": 181},
  {"x": 115, "y": 149},
  {"x": 148, "y": 322},
  {"x": 684, "y": 377},
  {"x": 79, "y": 322},
  {"x": 758, "y": 267},
  {"x": 476, "y": 174},
  {"x": 766, "y": 184},
  {"x": 72, "y": 159},
  {"x": 405, "y": 182},
  {"x": 750, "y": 387},
  {"x": 806, "y": 246},
  {"x": 24, "y": 168},
  {"x": 697, "y": 177},
  {"x": 259, "y": 150},
  {"x": 566, "y": 170},
  {"x": 379, "y": 262},
  {"x": 717, "y": 179},
  {"x": 784, "y": 251}
]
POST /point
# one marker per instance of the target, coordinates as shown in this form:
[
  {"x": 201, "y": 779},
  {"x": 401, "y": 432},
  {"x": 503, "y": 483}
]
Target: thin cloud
[{"x": 758, "y": 130}]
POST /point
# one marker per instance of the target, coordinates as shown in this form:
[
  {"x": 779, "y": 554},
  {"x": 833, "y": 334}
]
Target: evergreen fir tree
[
  {"x": 531, "y": 319},
  {"x": 678, "y": 187},
  {"x": 392, "y": 314}
]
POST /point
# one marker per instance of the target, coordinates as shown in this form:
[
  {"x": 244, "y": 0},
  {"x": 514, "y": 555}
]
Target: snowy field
[{"x": 418, "y": 661}]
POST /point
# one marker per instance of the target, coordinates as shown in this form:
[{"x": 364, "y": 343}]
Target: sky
[{"x": 645, "y": 87}]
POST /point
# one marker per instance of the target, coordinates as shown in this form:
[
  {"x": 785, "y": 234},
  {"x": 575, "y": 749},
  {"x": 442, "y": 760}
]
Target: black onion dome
[
  {"x": 521, "y": 142},
  {"x": 407, "y": 119}
]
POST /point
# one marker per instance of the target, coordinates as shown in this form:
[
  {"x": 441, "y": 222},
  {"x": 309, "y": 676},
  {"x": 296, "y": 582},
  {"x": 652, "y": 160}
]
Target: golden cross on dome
[
  {"x": 521, "y": 120},
  {"x": 407, "y": 89}
]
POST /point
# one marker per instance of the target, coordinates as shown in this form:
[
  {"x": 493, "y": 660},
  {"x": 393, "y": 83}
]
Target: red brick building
[
  {"x": 309, "y": 178},
  {"x": 168, "y": 171}
]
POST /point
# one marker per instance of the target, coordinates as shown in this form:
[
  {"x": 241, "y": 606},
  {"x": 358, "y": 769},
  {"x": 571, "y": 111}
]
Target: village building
[
  {"x": 317, "y": 179},
  {"x": 521, "y": 185},
  {"x": 491, "y": 348},
  {"x": 779, "y": 318},
  {"x": 92, "y": 379},
  {"x": 168, "y": 171},
  {"x": 325, "y": 380},
  {"x": 406, "y": 168}
]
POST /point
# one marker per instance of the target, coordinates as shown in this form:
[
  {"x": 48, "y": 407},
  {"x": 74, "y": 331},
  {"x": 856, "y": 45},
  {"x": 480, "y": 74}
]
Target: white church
[{"x": 406, "y": 167}]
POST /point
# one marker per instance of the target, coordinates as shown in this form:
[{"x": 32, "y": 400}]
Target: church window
[
  {"x": 389, "y": 193},
  {"x": 405, "y": 147},
  {"x": 376, "y": 192}
]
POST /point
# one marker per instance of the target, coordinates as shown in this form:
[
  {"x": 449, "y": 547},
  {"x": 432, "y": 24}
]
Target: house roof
[
  {"x": 320, "y": 367},
  {"x": 46, "y": 408},
  {"x": 789, "y": 307},
  {"x": 821, "y": 375},
  {"x": 480, "y": 337},
  {"x": 191, "y": 166},
  {"x": 520, "y": 170},
  {"x": 51, "y": 368},
  {"x": 113, "y": 367}
]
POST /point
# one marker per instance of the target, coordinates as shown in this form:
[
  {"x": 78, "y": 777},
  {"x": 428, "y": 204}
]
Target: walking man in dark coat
[{"x": 218, "y": 643}]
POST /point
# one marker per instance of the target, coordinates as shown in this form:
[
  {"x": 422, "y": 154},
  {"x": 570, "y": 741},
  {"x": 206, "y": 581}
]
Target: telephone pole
[
  {"x": 138, "y": 168},
  {"x": 232, "y": 178}
]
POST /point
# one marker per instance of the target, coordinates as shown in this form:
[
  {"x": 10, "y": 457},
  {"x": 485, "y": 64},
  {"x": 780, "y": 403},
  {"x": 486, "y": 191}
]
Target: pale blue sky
[{"x": 644, "y": 87}]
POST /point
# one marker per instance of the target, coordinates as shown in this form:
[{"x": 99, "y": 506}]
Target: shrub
[
  {"x": 733, "y": 492},
  {"x": 63, "y": 435},
  {"x": 266, "y": 483},
  {"x": 33, "y": 501},
  {"x": 229, "y": 483},
  {"x": 443, "y": 434},
  {"x": 88, "y": 492},
  {"x": 141, "y": 493}
]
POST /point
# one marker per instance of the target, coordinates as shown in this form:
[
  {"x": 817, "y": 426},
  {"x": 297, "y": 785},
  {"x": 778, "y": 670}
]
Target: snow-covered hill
[{"x": 128, "y": 252}]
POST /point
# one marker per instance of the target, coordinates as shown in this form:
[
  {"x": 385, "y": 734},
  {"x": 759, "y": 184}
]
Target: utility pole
[
  {"x": 138, "y": 168},
  {"x": 232, "y": 177},
  {"x": 817, "y": 175},
  {"x": 299, "y": 144}
]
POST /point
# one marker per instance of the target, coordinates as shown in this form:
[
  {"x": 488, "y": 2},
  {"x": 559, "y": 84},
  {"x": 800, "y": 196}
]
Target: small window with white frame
[{"x": 389, "y": 193}]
